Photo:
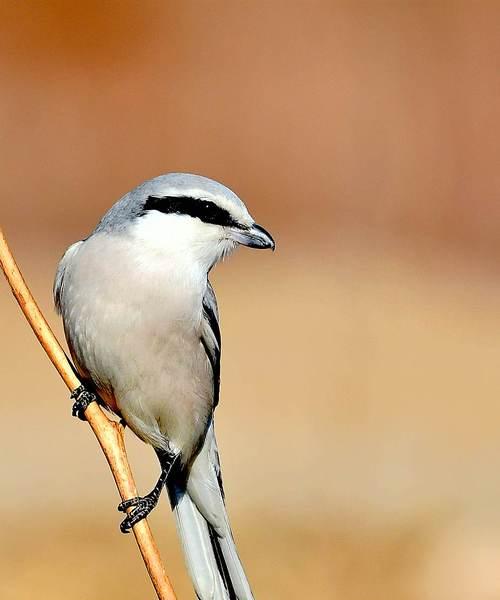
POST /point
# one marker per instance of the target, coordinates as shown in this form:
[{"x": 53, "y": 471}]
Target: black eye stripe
[{"x": 206, "y": 211}]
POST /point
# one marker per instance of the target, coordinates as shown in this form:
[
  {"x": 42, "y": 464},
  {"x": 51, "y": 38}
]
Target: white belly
[{"x": 134, "y": 328}]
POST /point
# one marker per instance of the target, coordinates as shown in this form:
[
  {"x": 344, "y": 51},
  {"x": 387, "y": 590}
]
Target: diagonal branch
[{"x": 109, "y": 434}]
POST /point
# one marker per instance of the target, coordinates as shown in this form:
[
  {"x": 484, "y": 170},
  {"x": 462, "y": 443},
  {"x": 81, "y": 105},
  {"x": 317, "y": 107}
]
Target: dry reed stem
[{"x": 109, "y": 434}]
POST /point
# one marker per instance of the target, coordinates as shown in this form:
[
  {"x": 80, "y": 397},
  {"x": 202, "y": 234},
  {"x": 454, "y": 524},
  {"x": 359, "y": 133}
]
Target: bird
[{"x": 141, "y": 322}]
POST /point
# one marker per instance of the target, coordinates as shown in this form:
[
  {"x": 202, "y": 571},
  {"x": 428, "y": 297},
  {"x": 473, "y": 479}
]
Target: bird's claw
[
  {"x": 142, "y": 507},
  {"x": 82, "y": 398},
  {"x": 122, "y": 507}
]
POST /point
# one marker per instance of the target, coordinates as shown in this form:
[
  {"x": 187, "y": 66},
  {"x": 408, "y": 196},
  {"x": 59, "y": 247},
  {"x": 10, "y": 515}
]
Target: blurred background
[{"x": 361, "y": 440}]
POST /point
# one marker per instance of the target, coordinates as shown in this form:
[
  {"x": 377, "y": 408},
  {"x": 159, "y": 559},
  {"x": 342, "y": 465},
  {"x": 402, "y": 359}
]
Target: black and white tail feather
[{"x": 203, "y": 526}]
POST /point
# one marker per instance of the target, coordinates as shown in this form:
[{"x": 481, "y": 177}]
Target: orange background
[{"x": 360, "y": 404}]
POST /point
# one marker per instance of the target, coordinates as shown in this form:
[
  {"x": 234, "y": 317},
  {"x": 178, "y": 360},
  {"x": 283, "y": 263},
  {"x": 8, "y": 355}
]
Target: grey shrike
[{"x": 142, "y": 326}]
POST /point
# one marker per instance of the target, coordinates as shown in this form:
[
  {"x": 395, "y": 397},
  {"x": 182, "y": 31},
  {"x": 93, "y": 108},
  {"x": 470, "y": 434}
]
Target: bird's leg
[
  {"x": 82, "y": 397},
  {"x": 143, "y": 505}
]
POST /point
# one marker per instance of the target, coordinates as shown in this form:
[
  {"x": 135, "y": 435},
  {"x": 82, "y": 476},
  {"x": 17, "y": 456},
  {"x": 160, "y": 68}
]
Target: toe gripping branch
[
  {"x": 82, "y": 398},
  {"x": 143, "y": 505}
]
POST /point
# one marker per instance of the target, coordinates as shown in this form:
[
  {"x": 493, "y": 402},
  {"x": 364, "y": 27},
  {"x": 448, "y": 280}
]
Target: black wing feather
[{"x": 211, "y": 338}]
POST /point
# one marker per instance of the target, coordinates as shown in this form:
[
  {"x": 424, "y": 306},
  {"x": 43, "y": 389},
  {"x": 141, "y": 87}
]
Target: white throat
[{"x": 185, "y": 240}]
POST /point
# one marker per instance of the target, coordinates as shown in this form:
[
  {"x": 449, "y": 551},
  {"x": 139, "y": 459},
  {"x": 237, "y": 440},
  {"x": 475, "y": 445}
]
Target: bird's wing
[
  {"x": 58, "y": 288},
  {"x": 210, "y": 336},
  {"x": 199, "y": 508}
]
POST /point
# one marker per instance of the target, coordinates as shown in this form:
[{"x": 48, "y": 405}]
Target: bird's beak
[{"x": 253, "y": 237}]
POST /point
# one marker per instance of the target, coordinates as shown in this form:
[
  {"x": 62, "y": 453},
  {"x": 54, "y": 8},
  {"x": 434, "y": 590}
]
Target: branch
[{"x": 109, "y": 434}]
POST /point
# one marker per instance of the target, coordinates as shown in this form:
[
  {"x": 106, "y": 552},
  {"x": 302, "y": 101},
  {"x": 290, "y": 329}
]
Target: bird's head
[{"x": 187, "y": 213}]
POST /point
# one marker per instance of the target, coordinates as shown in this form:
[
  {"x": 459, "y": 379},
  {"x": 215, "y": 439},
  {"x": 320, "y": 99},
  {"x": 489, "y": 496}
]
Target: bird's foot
[
  {"x": 82, "y": 398},
  {"x": 143, "y": 505}
]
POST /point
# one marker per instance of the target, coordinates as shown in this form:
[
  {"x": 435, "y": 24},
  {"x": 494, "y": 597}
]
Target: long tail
[{"x": 202, "y": 522}]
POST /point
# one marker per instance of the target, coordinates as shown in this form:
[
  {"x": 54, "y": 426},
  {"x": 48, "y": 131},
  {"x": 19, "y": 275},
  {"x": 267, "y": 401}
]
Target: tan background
[{"x": 360, "y": 416}]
